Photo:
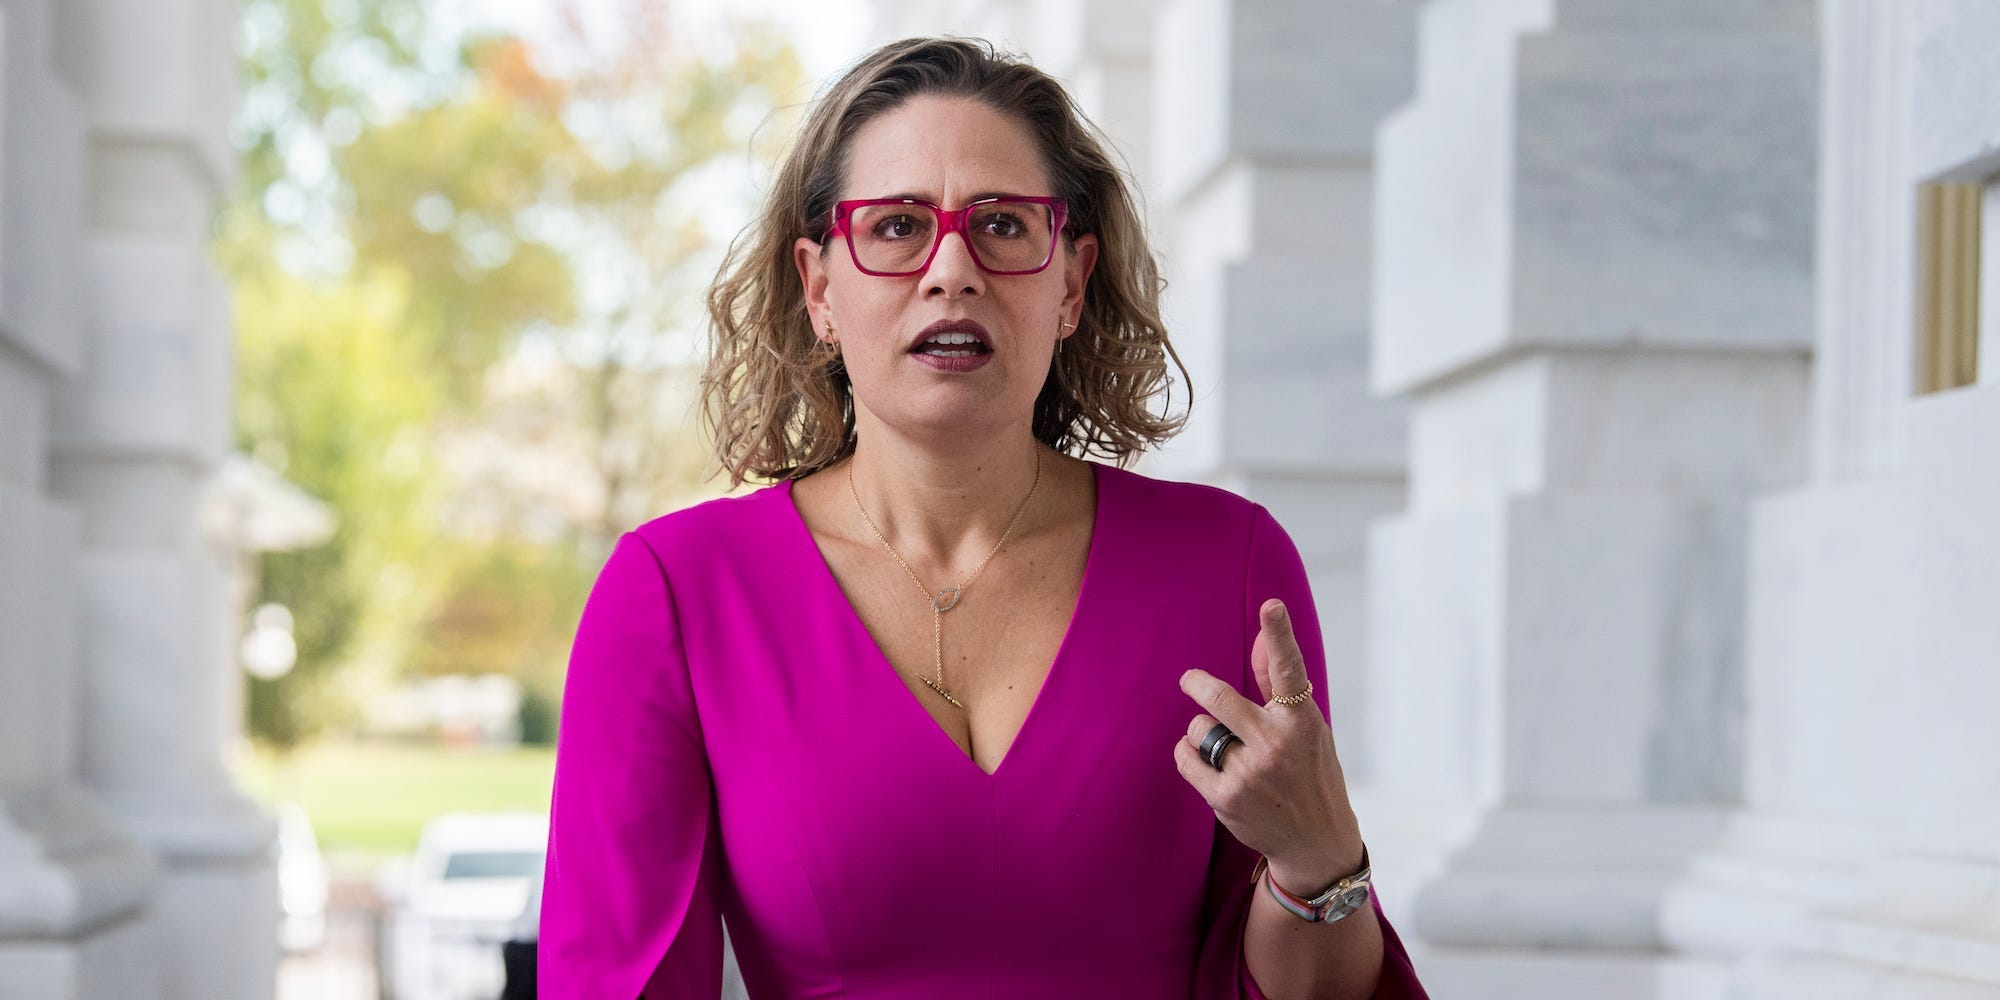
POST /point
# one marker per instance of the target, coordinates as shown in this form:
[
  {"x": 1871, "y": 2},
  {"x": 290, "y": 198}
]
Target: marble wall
[
  {"x": 130, "y": 867},
  {"x": 1871, "y": 643},
  {"x": 1594, "y": 286}
]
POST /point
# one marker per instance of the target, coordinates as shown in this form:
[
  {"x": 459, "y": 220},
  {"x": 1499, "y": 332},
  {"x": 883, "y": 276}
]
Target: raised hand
[{"x": 1280, "y": 790}]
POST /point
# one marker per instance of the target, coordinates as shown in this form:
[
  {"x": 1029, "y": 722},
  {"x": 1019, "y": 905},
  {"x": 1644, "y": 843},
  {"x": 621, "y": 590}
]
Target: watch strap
[{"x": 1324, "y": 907}]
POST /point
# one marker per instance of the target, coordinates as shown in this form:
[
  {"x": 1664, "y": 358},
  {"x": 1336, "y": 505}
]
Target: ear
[
  {"x": 1077, "y": 266},
  {"x": 806, "y": 256}
]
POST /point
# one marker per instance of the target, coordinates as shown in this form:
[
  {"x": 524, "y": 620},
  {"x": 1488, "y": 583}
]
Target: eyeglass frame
[{"x": 949, "y": 220}]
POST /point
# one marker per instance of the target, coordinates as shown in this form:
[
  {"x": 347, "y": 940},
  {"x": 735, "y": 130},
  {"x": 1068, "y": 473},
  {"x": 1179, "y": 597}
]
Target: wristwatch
[{"x": 1340, "y": 899}]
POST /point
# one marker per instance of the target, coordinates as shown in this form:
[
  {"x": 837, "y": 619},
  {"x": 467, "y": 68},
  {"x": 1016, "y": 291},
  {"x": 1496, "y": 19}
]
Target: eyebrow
[{"x": 981, "y": 196}]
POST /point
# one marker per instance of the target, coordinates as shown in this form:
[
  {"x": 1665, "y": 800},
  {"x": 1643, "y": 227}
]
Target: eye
[
  {"x": 1003, "y": 224},
  {"x": 895, "y": 227}
]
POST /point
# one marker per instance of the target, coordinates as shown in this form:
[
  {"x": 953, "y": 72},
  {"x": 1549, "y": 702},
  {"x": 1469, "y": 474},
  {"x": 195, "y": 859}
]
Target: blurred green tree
[{"x": 467, "y": 303}]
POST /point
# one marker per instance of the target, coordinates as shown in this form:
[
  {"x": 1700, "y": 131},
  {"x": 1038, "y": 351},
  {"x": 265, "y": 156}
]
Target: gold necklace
[{"x": 946, "y": 599}]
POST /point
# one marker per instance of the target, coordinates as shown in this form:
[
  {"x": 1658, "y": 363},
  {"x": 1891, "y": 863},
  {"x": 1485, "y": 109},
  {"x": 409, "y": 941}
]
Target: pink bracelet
[{"x": 1340, "y": 899}]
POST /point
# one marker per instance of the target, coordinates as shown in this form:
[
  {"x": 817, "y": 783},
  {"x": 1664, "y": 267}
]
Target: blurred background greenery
[
  {"x": 369, "y": 800},
  {"x": 467, "y": 262}
]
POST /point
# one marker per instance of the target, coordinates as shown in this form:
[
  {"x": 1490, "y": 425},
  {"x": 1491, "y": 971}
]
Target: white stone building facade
[{"x": 130, "y": 867}]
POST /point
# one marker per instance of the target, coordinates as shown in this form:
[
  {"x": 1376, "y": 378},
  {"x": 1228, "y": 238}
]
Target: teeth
[
  {"x": 951, "y": 354},
  {"x": 953, "y": 338}
]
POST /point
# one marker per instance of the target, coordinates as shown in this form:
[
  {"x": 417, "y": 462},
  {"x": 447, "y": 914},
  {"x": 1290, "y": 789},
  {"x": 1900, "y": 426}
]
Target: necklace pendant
[
  {"x": 933, "y": 685},
  {"x": 945, "y": 600}
]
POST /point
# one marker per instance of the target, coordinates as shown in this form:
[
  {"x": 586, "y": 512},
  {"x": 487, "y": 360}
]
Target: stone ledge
[
  {"x": 213, "y": 826},
  {"x": 1575, "y": 877},
  {"x": 66, "y": 865}
]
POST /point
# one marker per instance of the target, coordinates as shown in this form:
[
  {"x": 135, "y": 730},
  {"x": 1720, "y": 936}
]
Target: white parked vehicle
[
  {"x": 302, "y": 888},
  {"x": 450, "y": 908}
]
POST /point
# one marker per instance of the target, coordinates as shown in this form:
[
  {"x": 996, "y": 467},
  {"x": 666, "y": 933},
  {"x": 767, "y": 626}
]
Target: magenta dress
[{"x": 734, "y": 746}]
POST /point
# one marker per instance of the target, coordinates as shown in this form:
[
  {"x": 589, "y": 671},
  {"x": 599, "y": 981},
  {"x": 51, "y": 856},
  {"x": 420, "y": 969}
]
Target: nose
[{"x": 952, "y": 272}]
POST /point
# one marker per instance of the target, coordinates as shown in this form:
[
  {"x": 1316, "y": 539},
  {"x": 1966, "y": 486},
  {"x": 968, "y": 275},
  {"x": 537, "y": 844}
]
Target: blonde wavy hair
[{"x": 776, "y": 399}]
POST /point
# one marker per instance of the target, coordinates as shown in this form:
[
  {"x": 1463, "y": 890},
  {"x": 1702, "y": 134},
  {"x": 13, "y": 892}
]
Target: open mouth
[{"x": 952, "y": 345}]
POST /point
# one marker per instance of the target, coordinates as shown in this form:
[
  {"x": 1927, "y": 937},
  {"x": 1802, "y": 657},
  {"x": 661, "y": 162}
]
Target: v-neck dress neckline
[{"x": 885, "y": 669}]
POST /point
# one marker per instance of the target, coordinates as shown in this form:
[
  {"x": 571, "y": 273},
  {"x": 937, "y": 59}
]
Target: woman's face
[{"x": 948, "y": 151}]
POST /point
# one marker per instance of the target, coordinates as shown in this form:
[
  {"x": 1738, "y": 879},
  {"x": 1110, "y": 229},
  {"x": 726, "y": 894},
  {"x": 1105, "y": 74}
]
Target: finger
[
  {"x": 1260, "y": 662},
  {"x": 1240, "y": 714},
  {"x": 1275, "y": 657},
  {"x": 1196, "y": 772},
  {"x": 1199, "y": 728}
]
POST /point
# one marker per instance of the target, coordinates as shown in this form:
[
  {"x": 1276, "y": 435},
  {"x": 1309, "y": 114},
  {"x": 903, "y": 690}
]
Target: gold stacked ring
[{"x": 1294, "y": 699}]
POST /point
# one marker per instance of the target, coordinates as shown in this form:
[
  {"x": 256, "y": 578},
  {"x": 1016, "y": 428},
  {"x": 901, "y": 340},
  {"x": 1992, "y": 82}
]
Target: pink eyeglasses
[{"x": 898, "y": 237}]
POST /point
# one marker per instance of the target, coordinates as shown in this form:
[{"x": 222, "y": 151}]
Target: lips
[{"x": 943, "y": 326}]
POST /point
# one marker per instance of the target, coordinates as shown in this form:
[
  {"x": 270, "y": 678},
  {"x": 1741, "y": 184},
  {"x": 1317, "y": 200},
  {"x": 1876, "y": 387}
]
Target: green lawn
[{"x": 369, "y": 800}]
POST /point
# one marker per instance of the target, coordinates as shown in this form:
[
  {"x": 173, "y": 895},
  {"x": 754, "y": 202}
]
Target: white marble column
[
  {"x": 1865, "y": 860},
  {"x": 1009, "y": 24},
  {"x": 1102, "y": 51},
  {"x": 73, "y": 884},
  {"x": 1594, "y": 287},
  {"x": 136, "y": 439},
  {"x": 1260, "y": 174}
]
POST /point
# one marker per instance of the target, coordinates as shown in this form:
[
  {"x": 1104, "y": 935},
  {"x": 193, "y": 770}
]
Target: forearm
[{"x": 1292, "y": 959}]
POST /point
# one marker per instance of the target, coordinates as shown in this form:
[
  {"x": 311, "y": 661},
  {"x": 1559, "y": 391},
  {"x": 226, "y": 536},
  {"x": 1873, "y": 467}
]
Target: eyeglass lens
[{"x": 1004, "y": 236}]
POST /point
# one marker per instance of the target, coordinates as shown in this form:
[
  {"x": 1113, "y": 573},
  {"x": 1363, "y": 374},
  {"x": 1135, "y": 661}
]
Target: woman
[{"x": 948, "y": 711}]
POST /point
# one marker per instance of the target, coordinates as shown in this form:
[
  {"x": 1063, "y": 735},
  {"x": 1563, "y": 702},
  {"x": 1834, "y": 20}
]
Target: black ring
[{"x": 1213, "y": 745}]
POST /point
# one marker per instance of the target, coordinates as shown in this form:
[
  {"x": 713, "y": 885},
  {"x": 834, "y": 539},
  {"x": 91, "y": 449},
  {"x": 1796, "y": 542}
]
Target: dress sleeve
[
  {"x": 629, "y": 888},
  {"x": 1274, "y": 569}
]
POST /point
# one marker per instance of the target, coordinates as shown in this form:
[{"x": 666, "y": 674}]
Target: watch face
[{"x": 1356, "y": 897}]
